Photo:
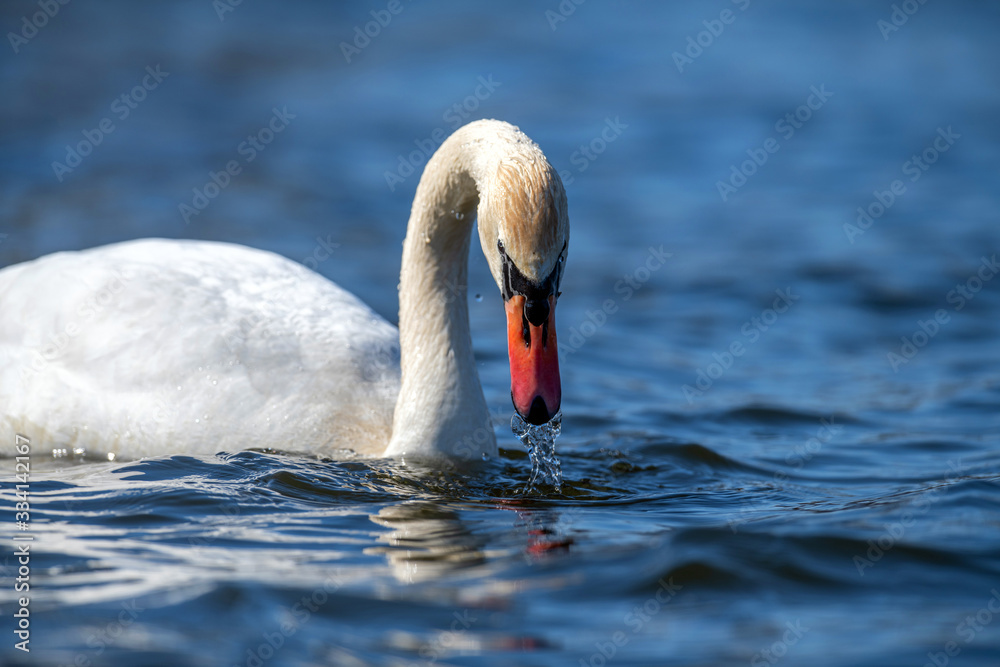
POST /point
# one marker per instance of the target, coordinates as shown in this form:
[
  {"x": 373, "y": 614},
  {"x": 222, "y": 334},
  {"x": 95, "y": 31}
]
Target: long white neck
[
  {"x": 491, "y": 171},
  {"x": 441, "y": 410}
]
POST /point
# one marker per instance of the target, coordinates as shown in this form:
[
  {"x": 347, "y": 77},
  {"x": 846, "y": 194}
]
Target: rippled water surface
[{"x": 780, "y": 434}]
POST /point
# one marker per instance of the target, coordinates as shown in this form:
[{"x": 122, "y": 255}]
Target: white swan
[{"x": 153, "y": 347}]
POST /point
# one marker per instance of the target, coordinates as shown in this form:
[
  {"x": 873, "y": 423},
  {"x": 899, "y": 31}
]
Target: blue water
[{"x": 807, "y": 500}]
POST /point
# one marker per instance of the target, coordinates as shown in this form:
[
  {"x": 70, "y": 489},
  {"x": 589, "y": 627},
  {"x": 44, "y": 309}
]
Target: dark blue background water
[{"x": 809, "y": 501}]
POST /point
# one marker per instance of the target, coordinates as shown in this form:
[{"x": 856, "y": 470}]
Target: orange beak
[{"x": 534, "y": 359}]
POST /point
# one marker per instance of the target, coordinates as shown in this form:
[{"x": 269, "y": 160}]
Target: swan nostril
[
  {"x": 537, "y": 311},
  {"x": 538, "y": 414}
]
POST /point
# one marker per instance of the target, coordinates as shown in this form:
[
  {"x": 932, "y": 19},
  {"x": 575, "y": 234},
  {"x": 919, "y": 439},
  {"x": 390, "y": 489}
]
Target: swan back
[{"x": 157, "y": 346}]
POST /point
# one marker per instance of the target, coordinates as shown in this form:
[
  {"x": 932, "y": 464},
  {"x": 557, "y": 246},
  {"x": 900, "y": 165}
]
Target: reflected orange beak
[{"x": 534, "y": 359}]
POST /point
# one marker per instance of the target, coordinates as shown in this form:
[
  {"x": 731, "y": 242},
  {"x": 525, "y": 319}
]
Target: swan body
[{"x": 155, "y": 346}]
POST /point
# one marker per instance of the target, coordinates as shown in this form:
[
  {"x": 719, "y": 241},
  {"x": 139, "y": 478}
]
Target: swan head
[{"x": 524, "y": 232}]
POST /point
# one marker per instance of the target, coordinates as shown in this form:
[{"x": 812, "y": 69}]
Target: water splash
[{"x": 541, "y": 444}]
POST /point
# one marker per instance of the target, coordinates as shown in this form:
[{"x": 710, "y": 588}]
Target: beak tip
[{"x": 539, "y": 413}]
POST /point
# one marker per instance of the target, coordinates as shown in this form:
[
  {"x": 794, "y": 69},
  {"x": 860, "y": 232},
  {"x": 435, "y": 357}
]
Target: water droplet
[
  {"x": 486, "y": 457},
  {"x": 479, "y": 297},
  {"x": 540, "y": 441},
  {"x": 459, "y": 216}
]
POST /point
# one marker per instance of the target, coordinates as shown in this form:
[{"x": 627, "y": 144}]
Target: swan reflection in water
[{"x": 429, "y": 540}]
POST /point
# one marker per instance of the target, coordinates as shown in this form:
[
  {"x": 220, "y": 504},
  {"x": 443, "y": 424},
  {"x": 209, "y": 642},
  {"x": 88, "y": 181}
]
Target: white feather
[{"x": 155, "y": 346}]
